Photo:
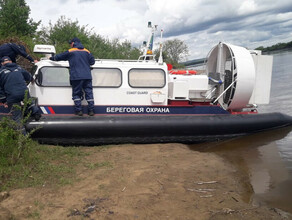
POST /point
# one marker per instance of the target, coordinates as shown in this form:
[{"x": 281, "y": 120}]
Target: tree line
[
  {"x": 16, "y": 26},
  {"x": 278, "y": 46}
]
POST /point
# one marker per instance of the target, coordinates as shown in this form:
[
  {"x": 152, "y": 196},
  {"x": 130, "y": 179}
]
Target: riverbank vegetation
[
  {"x": 25, "y": 163},
  {"x": 278, "y": 46}
]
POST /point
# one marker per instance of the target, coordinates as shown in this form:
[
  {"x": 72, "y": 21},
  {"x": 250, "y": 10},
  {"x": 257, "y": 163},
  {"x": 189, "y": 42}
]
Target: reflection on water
[
  {"x": 267, "y": 157},
  {"x": 259, "y": 156}
]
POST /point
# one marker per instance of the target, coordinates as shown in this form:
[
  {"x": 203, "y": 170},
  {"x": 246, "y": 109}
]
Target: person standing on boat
[
  {"x": 12, "y": 50},
  {"x": 80, "y": 60},
  {"x": 13, "y": 89}
]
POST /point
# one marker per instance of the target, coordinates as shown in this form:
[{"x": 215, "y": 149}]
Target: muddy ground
[{"x": 158, "y": 181}]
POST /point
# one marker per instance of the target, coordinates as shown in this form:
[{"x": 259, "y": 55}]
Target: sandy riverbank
[{"x": 158, "y": 181}]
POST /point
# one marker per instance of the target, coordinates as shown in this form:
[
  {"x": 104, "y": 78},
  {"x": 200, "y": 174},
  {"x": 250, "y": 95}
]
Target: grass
[
  {"x": 105, "y": 164},
  {"x": 41, "y": 166},
  {"x": 25, "y": 163}
]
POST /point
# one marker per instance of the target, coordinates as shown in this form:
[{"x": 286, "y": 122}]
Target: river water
[{"x": 267, "y": 156}]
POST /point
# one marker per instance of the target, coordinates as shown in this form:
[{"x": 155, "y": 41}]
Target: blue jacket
[
  {"x": 13, "y": 50},
  {"x": 13, "y": 83},
  {"x": 80, "y": 60},
  {"x": 2, "y": 96}
]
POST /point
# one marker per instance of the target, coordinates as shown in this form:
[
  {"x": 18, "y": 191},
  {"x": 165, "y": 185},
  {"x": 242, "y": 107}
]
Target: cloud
[
  {"x": 81, "y": 1},
  {"x": 247, "y": 7},
  {"x": 245, "y": 23},
  {"x": 201, "y": 23}
]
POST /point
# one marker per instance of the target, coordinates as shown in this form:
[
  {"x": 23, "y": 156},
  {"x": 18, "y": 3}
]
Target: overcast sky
[{"x": 201, "y": 24}]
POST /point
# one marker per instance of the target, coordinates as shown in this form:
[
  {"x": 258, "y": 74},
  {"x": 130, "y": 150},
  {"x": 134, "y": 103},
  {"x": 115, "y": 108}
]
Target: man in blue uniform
[
  {"x": 13, "y": 50},
  {"x": 13, "y": 88},
  {"x": 80, "y": 60}
]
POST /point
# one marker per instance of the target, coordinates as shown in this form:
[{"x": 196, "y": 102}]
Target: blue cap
[
  {"x": 75, "y": 40},
  {"x": 5, "y": 58}
]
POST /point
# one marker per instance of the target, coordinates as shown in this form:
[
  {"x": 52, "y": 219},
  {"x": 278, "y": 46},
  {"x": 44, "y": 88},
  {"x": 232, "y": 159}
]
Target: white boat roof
[{"x": 106, "y": 62}]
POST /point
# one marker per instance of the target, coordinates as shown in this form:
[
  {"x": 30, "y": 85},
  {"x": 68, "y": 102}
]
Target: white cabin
[
  {"x": 235, "y": 78},
  {"x": 115, "y": 82}
]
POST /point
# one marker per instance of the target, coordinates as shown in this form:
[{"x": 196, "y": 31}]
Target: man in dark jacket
[
  {"x": 13, "y": 88},
  {"x": 13, "y": 50},
  {"x": 80, "y": 60}
]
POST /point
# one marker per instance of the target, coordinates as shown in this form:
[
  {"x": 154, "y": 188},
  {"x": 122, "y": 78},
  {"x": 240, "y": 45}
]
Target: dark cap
[
  {"x": 75, "y": 40},
  {"x": 5, "y": 58}
]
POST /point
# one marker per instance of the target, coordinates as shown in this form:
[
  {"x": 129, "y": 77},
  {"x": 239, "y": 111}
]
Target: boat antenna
[
  {"x": 160, "y": 60},
  {"x": 149, "y": 46}
]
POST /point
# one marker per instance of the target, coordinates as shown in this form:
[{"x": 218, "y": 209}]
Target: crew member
[
  {"x": 80, "y": 60},
  {"x": 13, "y": 89},
  {"x": 12, "y": 50}
]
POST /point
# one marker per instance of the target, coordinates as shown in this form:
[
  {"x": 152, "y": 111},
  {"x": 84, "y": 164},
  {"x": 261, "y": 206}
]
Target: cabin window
[
  {"x": 106, "y": 77},
  {"x": 147, "y": 78},
  {"x": 54, "y": 76}
]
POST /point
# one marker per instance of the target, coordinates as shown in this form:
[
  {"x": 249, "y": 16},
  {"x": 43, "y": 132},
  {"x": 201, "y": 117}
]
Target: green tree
[
  {"x": 174, "y": 51},
  {"x": 62, "y": 31},
  {"x": 278, "y": 46},
  {"x": 99, "y": 46},
  {"x": 260, "y": 48},
  {"x": 65, "y": 29},
  {"x": 122, "y": 50},
  {"x": 14, "y": 19}
]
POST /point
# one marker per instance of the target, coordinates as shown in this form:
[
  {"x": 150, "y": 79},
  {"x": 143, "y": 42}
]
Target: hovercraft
[{"x": 142, "y": 101}]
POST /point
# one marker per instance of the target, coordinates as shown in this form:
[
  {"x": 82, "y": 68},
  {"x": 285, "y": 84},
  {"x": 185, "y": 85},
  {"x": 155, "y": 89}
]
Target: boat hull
[{"x": 119, "y": 129}]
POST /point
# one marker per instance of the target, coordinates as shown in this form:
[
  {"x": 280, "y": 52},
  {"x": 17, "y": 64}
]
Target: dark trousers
[
  {"x": 31, "y": 109},
  {"x": 16, "y": 111},
  {"x": 78, "y": 86},
  {"x": 14, "y": 106}
]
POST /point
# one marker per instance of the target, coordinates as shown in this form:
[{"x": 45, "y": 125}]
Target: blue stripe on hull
[{"x": 137, "y": 110}]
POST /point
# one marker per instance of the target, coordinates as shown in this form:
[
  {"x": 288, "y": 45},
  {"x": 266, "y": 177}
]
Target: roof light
[{"x": 149, "y": 52}]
